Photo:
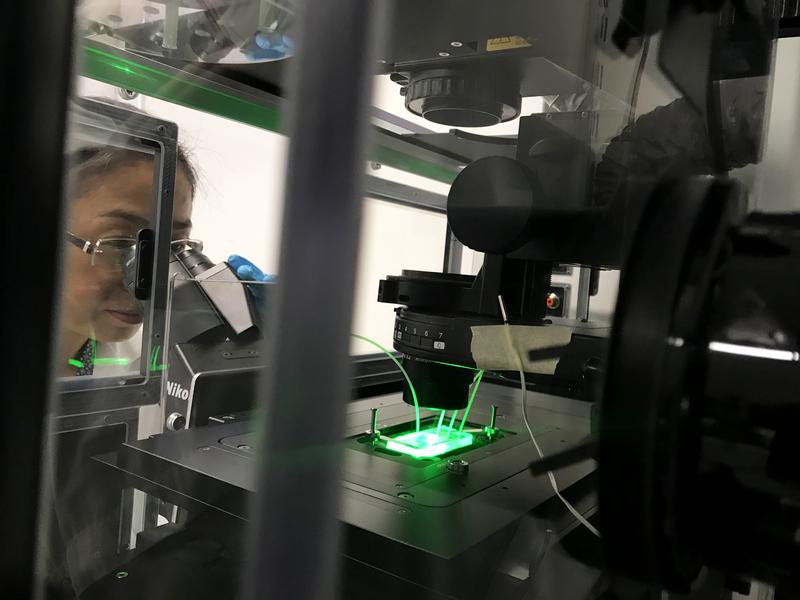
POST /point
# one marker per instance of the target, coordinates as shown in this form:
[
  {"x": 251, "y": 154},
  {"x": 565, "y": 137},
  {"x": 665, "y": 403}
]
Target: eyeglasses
[{"x": 113, "y": 254}]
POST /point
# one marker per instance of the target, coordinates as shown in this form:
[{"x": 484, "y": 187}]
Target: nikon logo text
[{"x": 176, "y": 391}]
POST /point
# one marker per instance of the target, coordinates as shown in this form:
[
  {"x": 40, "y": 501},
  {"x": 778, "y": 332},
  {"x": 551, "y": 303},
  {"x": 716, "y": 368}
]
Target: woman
[{"x": 111, "y": 200}]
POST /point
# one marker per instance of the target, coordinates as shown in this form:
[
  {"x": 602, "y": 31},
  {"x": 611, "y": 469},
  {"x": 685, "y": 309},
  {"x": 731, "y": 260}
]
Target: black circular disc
[
  {"x": 644, "y": 441},
  {"x": 465, "y": 96},
  {"x": 491, "y": 203}
]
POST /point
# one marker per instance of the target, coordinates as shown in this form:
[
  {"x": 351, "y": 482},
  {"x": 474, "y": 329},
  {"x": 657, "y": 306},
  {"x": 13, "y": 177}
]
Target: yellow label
[{"x": 506, "y": 43}]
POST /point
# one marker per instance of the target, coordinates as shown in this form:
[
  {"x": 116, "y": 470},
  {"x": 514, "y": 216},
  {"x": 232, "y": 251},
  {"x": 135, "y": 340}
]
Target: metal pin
[
  {"x": 373, "y": 431},
  {"x": 171, "y": 20},
  {"x": 503, "y": 312},
  {"x": 490, "y": 430}
]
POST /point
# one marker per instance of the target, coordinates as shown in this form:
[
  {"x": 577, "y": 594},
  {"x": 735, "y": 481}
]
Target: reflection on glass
[
  {"x": 111, "y": 199},
  {"x": 438, "y": 499}
]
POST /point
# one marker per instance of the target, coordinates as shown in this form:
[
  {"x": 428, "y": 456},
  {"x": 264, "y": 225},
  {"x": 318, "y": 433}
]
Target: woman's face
[{"x": 116, "y": 204}]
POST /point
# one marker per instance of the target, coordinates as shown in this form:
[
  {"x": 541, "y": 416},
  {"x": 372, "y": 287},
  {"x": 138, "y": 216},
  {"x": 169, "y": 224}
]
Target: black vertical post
[
  {"x": 35, "y": 74},
  {"x": 453, "y": 252},
  {"x": 294, "y": 538}
]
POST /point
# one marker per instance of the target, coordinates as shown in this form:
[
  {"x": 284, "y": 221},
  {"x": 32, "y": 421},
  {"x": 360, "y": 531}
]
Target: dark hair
[{"x": 89, "y": 163}]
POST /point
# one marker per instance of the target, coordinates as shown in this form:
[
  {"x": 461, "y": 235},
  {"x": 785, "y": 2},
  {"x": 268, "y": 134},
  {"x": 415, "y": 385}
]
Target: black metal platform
[{"x": 409, "y": 520}]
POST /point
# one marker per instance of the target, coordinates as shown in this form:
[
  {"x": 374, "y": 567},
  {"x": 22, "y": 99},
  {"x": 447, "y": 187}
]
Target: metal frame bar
[
  {"x": 453, "y": 253},
  {"x": 212, "y": 93},
  {"x": 294, "y": 537},
  {"x": 33, "y": 116},
  {"x": 789, "y": 26},
  {"x": 89, "y": 395},
  {"x": 399, "y": 193},
  {"x": 584, "y": 290}
]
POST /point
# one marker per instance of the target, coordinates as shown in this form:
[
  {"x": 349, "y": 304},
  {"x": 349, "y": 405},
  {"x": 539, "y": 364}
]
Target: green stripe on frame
[{"x": 126, "y": 73}]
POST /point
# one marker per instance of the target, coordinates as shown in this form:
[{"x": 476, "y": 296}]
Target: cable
[
  {"x": 524, "y": 396},
  {"x": 402, "y": 370},
  {"x": 637, "y": 80},
  {"x": 475, "y": 383},
  {"x": 441, "y": 418},
  {"x": 452, "y": 420}
]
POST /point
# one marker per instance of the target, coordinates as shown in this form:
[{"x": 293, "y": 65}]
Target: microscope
[
  {"x": 694, "y": 412},
  {"x": 696, "y": 387}
]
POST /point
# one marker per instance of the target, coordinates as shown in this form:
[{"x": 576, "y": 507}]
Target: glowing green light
[
  {"x": 428, "y": 443},
  {"x": 123, "y": 69},
  {"x": 475, "y": 383},
  {"x": 449, "y": 364},
  {"x": 441, "y": 419},
  {"x": 402, "y": 370},
  {"x": 453, "y": 419},
  {"x": 75, "y": 363},
  {"x": 154, "y": 366},
  {"x": 118, "y": 361}
]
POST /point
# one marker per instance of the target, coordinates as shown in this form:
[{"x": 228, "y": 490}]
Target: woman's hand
[{"x": 247, "y": 271}]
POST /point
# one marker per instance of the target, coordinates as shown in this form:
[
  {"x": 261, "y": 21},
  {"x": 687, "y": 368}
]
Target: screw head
[
  {"x": 456, "y": 44},
  {"x": 405, "y": 496},
  {"x": 444, "y": 54},
  {"x": 458, "y": 466},
  {"x": 126, "y": 94}
]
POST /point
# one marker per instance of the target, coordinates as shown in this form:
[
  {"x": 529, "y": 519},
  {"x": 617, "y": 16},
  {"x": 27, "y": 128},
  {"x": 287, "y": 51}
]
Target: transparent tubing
[
  {"x": 475, "y": 383},
  {"x": 402, "y": 370},
  {"x": 523, "y": 386}
]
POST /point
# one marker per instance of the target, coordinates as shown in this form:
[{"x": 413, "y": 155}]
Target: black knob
[
  {"x": 176, "y": 421},
  {"x": 465, "y": 96},
  {"x": 458, "y": 466},
  {"x": 491, "y": 204}
]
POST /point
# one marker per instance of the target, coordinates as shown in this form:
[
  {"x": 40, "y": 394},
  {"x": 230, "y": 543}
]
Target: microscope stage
[{"x": 387, "y": 494}]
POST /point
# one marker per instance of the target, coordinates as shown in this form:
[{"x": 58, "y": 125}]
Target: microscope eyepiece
[{"x": 190, "y": 254}]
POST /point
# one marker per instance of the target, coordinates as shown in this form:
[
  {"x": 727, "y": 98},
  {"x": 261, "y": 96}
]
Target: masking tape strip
[{"x": 490, "y": 347}]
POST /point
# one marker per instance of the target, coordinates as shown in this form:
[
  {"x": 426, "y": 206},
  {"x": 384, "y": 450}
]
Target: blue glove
[
  {"x": 268, "y": 46},
  {"x": 247, "y": 271}
]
